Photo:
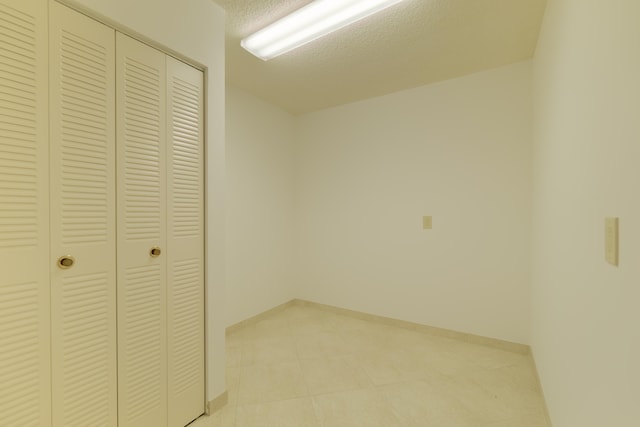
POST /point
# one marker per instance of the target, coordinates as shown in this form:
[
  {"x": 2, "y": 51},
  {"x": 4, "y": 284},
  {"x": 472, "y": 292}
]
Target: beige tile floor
[{"x": 304, "y": 366}]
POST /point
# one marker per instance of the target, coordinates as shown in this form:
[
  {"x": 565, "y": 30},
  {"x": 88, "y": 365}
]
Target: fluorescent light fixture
[{"x": 313, "y": 21}]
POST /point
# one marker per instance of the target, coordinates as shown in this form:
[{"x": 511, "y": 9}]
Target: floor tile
[
  {"x": 524, "y": 420},
  {"x": 390, "y": 366},
  {"x": 269, "y": 383},
  {"x": 329, "y": 375},
  {"x": 513, "y": 390},
  {"x": 225, "y": 417},
  {"x": 424, "y": 404},
  {"x": 234, "y": 354},
  {"x": 304, "y": 366},
  {"x": 356, "y": 408},
  {"x": 321, "y": 345},
  {"x": 477, "y": 396},
  {"x": 267, "y": 329},
  {"x": 233, "y": 385},
  {"x": 268, "y": 351},
  {"x": 284, "y": 413}
]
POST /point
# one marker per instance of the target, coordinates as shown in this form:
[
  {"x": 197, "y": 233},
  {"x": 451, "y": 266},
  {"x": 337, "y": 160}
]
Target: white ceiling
[{"x": 411, "y": 44}]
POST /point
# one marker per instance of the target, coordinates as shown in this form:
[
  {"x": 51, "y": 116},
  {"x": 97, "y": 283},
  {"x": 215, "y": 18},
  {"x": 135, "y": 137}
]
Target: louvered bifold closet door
[
  {"x": 142, "y": 306},
  {"x": 82, "y": 143},
  {"x": 185, "y": 193},
  {"x": 25, "y": 399}
]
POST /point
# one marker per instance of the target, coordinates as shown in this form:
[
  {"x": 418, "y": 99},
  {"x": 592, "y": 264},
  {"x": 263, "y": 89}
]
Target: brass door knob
[
  {"x": 65, "y": 262},
  {"x": 155, "y": 252}
]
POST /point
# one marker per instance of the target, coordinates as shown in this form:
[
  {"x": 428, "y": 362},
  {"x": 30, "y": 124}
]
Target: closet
[{"x": 102, "y": 225}]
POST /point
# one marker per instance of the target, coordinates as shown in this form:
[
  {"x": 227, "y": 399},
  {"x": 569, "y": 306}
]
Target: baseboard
[
  {"x": 216, "y": 404},
  {"x": 431, "y": 330},
  {"x": 259, "y": 317}
]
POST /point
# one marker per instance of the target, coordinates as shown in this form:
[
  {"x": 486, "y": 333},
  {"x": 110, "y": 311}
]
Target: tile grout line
[{"x": 499, "y": 344}]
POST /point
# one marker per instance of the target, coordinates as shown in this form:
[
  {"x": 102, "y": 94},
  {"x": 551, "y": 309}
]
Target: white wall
[
  {"x": 195, "y": 29},
  {"x": 586, "y": 320},
  {"x": 260, "y": 223},
  {"x": 367, "y": 172}
]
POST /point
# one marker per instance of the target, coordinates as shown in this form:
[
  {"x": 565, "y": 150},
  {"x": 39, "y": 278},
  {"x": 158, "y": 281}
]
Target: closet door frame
[{"x": 185, "y": 236}]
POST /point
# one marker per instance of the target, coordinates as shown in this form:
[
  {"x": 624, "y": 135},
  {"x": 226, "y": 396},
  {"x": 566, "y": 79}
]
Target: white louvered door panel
[
  {"x": 185, "y": 209},
  {"x": 25, "y": 390},
  {"x": 141, "y": 135},
  {"x": 82, "y": 111}
]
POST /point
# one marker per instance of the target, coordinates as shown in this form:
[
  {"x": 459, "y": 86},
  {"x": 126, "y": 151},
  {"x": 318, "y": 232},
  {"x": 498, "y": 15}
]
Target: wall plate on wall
[
  {"x": 611, "y": 240},
  {"x": 427, "y": 222}
]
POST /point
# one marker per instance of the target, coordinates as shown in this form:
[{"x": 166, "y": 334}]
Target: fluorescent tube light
[{"x": 313, "y": 21}]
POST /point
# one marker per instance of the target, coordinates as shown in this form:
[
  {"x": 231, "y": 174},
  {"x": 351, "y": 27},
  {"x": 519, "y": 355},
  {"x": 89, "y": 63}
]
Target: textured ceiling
[{"x": 411, "y": 44}]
